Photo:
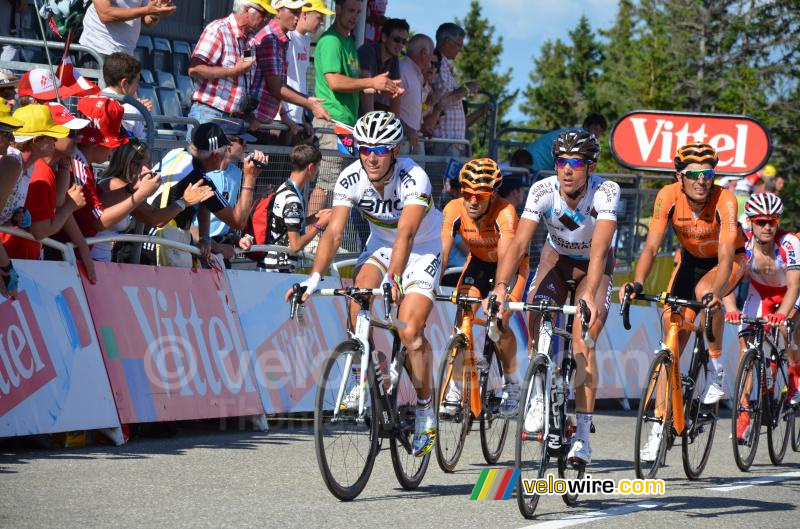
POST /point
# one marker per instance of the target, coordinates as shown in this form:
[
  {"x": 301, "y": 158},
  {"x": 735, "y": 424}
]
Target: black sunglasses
[{"x": 400, "y": 40}]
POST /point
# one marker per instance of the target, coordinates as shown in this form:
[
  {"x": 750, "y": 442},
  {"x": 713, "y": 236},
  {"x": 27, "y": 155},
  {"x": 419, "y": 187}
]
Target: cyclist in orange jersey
[{"x": 710, "y": 262}]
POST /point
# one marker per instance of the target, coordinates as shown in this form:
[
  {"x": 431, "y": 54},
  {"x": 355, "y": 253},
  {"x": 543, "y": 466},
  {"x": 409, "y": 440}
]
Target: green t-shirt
[{"x": 336, "y": 54}]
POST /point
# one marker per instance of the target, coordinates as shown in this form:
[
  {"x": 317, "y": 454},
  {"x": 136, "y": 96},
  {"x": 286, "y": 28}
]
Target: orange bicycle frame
[{"x": 470, "y": 367}]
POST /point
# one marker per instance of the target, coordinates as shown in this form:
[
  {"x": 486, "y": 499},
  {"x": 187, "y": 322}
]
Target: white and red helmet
[{"x": 763, "y": 205}]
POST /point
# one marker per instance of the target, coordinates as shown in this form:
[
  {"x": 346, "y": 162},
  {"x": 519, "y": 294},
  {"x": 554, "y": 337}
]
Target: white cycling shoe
[
  {"x": 715, "y": 391},
  {"x": 580, "y": 451},
  {"x": 649, "y": 453},
  {"x": 452, "y": 400},
  {"x": 509, "y": 405}
]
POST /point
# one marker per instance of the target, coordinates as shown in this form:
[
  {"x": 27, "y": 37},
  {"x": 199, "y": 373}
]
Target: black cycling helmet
[{"x": 579, "y": 142}]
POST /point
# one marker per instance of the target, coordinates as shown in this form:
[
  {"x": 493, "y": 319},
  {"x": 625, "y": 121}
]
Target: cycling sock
[
  {"x": 510, "y": 378},
  {"x": 584, "y": 426},
  {"x": 716, "y": 363},
  {"x": 424, "y": 403}
]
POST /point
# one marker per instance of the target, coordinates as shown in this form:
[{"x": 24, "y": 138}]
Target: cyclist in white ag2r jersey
[
  {"x": 403, "y": 250},
  {"x": 580, "y": 212}
]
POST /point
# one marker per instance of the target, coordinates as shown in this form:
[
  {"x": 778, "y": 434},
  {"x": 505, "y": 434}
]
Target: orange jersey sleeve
[
  {"x": 452, "y": 217},
  {"x": 728, "y": 211},
  {"x": 664, "y": 204}
]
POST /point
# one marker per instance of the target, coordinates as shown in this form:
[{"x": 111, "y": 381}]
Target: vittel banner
[
  {"x": 647, "y": 140},
  {"x": 172, "y": 344}
]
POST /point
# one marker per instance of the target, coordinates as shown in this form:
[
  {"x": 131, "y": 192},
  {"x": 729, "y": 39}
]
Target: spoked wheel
[
  {"x": 494, "y": 427},
  {"x": 409, "y": 469},
  {"x": 345, "y": 442},
  {"x": 530, "y": 451},
  {"x": 654, "y": 421},
  {"x": 796, "y": 428},
  {"x": 454, "y": 418},
  {"x": 701, "y": 422},
  {"x": 567, "y": 469},
  {"x": 779, "y": 421},
  {"x": 747, "y": 410}
]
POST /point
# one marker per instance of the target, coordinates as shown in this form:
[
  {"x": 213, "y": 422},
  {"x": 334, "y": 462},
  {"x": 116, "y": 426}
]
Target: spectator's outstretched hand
[
  {"x": 246, "y": 242},
  {"x": 148, "y": 183},
  {"x": 382, "y": 83},
  {"x": 318, "y": 110},
  {"x": 75, "y": 196},
  {"x": 242, "y": 66},
  {"x": 196, "y": 193},
  {"x": 324, "y": 217},
  {"x": 250, "y": 167},
  {"x": 147, "y": 104},
  {"x": 160, "y": 8}
]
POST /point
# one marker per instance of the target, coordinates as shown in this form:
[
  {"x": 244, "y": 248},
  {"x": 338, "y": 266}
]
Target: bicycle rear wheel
[
  {"x": 747, "y": 409},
  {"x": 494, "y": 427},
  {"x": 778, "y": 415},
  {"x": 345, "y": 444},
  {"x": 654, "y": 420},
  {"x": 795, "y": 429},
  {"x": 701, "y": 422},
  {"x": 566, "y": 470},
  {"x": 452, "y": 427},
  {"x": 530, "y": 450},
  {"x": 409, "y": 469}
]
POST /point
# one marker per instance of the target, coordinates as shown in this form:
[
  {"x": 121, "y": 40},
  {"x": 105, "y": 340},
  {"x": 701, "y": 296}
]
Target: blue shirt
[
  {"x": 227, "y": 183},
  {"x": 541, "y": 150}
]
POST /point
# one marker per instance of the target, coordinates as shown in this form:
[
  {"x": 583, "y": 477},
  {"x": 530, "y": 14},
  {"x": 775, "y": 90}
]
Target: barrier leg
[
  {"x": 260, "y": 422},
  {"x": 115, "y": 434}
]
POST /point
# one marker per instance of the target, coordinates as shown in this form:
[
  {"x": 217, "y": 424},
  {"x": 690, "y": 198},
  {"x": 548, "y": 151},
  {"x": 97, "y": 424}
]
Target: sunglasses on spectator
[
  {"x": 761, "y": 222},
  {"x": 476, "y": 196},
  {"x": 575, "y": 163},
  {"x": 695, "y": 174},
  {"x": 400, "y": 40},
  {"x": 379, "y": 150}
]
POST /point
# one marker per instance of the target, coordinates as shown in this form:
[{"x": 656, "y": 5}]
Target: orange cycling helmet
[
  {"x": 481, "y": 174},
  {"x": 696, "y": 152}
]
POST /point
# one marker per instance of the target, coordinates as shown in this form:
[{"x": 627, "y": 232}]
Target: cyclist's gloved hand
[
  {"x": 733, "y": 316},
  {"x": 395, "y": 283},
  {"x": 311, "y": 284},
  {"x": 776, "y": 319}
]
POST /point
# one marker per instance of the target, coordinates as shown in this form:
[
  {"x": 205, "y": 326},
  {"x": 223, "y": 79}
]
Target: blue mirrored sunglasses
[
  {"x": 379, "y": 150},
  {"x": 575, "y": 163}
]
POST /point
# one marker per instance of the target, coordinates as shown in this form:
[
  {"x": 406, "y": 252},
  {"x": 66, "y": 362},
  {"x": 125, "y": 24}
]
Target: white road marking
[
  {"x": 762, "y": 480},
  {"x": 578, "y": 519}
]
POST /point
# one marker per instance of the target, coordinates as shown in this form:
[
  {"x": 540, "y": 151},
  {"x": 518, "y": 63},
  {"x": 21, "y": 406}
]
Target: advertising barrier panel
[
  {"x": 52, "y": 378},
  {"x": 172, "y": 345}
]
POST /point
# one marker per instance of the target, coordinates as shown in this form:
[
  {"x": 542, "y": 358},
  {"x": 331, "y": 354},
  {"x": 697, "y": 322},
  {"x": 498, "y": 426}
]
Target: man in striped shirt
[{"x": 222, "y": 63}]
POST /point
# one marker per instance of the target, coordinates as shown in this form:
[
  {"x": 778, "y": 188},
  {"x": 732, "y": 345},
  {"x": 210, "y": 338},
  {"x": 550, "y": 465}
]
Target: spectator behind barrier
[
  {"x": 114, "y": 25},
  {"x": 10, "y": 170},
  {"x": 271, "y": 73},
  {"x": 514, "y": 190},
  {"x": 121, "y": 73},
  {"x": 286, "y": 221},
  {"x": 298, "y": 56},
  {"x": 337, "y": 73},
  {"x": 8, "y": 90},
  {"x": 382, "y": 57},
  {"x": 222, "y": 64},
  {"x": 541, "y": 148},
  {"x": 453, "y": 122},
  {"x": 408, "y": 106},
  {"x": 228, "y": 179},
  {"x": 129, "y": 169}
]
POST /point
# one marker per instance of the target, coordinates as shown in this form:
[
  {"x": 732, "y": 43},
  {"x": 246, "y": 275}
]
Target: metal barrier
[
  {"x": 67, "y": 250},
  {"x": 47, "y": 45}
]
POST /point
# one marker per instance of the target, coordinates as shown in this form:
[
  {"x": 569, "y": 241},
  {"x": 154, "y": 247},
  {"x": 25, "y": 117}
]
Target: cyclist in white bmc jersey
[
  {"x": 403, "y": 250},
  {"x": 580, "y": 212}
]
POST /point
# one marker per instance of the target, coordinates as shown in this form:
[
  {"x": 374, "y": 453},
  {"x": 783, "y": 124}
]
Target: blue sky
[{"x": 524, "y": 24}]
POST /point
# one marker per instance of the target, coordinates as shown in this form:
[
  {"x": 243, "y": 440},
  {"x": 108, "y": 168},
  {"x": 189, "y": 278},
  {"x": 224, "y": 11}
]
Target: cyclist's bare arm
[
  {"x": 330, "y": 240},
  {"x": 729, "y": 302},
  {"x": 648, "y": 257},
  {"x": 508, "y": 261},
  {"x": 407, "y": 227},
  {"x": 725, "y": 253},
  {"x": 448, "y": 240},
  {"x": 598, "y": 255}
]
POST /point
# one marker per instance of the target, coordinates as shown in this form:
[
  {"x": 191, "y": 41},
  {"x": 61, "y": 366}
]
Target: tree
[{"x": 479, "y": 61}]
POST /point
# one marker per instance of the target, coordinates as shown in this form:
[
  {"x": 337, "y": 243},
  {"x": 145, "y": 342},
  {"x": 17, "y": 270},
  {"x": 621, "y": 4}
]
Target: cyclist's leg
[
  {"x": 507, "y": 348},
  {"x": 794, "y": 356},
  {"x": 752, "y": 308},
  {"x": 369, "y": 270},
  {"x": 549, "y": 283}
]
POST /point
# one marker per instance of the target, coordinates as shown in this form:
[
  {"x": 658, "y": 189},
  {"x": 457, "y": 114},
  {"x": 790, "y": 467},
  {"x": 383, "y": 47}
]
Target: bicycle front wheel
[
  {"x": 453, "y": 417},
  {"x": 701, "y": 422},
  {"x": 795, "y": 429},
  {"x": 530, "y": 450},
  {"x": 778, "y": 416},
  {"x": 409, "y": 469},
  {"x": 345, "y": 442},
  {"x": 494, "y": 427},
  {"x": 747, "y": 409},
  {"x": 653, "y": 422}
]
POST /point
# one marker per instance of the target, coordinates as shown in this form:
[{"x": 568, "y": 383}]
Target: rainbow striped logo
[{"x": 495, "y": 484}]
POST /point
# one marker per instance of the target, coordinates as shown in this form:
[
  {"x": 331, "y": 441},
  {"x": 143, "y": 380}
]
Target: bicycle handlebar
[
  {"x": 458, "y": 299},
  {"x": 386, "y": 292},
  {"x": 491, "y": 328},
  {"x": 665, "y": 299},
  {"x": 542, "y": 306}
]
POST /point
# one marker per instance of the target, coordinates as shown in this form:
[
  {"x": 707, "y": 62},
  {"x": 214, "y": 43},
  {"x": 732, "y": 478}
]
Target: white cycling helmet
[
  {"x": 764, "y": 205},
  {"x": 378, "y": 128}
]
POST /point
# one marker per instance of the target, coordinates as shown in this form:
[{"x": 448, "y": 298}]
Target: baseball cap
[
  {"x": 105, "y": 117},
  {"x": 63, "y": 117},
  {"x": 37, "y": 121},
  {"x": 8, "y": 123},
  {"x": 73, "y": 82},
  {"x": 209, "y": 137},
  {"x": 8, "y": 79},
  {"x": 318, "y": 6},
  {"x": 41, "y": 85},
  {"x": 290, "y": 4},
  {"x": 265, "y": 5},
  {"x": 234, "y": 127},
  {"x": 510, "y": 183}
]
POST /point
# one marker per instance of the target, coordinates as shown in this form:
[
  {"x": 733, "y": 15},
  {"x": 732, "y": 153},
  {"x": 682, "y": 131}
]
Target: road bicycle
[
  {"x": 546, "y": 391},
  {"x": 363, "y": 398},
  {"x": 480, "y": 381},
  {"x": 761, "y": 394},
  {"x": 671, "y": 404}
]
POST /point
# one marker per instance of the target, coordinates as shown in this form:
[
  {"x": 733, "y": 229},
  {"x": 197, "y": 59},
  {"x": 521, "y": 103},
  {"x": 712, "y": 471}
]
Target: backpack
[{"x": 258, "y": 223}]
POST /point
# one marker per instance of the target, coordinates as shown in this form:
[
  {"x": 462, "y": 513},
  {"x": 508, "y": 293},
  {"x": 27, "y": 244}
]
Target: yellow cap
[
  {"x": 266, "y": 5},
  {"x": 769, "y": 171},
  {"x": 7, "y": 122},
  {"x": 37, "y": 121},
  {"x": 319, "y": 7}
]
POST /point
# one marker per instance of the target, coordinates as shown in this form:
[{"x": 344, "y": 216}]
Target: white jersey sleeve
[
  {"x": 415, "y": 187},
  {"x": 606, "y": 201},
  {"x": 540, "y": 199},
  {"x": 347, "y": 192},
  {"x": 791, "y": 246}
]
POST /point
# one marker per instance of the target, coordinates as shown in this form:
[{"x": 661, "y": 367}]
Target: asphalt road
[{"x": 204, "y": 477}]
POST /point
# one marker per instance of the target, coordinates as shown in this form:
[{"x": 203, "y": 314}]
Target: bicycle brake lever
[
  {"x": 387, "y": 300},
  {"x": 297, "y": 292},
  {"x": 625, "y": 308},
  {"x": 491, "y": 329},
  {"x": 707, "y": 325}
]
